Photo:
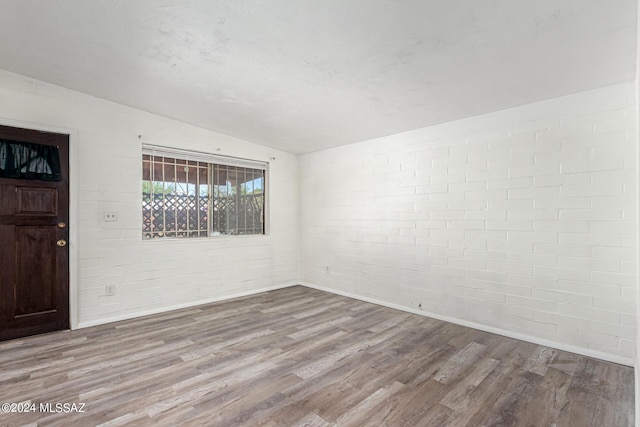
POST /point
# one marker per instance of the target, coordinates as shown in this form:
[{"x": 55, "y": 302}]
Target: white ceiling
[{"x": 303, "y": 75}]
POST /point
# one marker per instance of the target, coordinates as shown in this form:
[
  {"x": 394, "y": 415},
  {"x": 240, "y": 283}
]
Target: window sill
[{"x": 205, "y": 239}]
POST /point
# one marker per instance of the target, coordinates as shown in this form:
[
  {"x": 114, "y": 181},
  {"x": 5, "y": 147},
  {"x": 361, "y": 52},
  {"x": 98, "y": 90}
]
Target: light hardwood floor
[{"x": 301, "y": 357}]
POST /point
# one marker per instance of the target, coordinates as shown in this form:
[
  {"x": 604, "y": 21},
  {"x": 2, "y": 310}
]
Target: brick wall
[
  {"x": 106, "y": 172},
  {"x": 522, "y": 220}
]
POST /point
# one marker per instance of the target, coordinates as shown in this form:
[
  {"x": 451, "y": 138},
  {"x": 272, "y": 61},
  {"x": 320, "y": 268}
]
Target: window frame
[{"x": 212, "y": 160}]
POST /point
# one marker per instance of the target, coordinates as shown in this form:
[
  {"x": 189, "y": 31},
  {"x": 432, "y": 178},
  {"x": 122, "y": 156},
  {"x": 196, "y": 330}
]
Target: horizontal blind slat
[{"x": 159, "y": 151}]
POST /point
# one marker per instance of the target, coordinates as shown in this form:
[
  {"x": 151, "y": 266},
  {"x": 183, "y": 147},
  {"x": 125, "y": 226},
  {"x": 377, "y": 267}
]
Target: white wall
[
  {"x": 106, "y": 172},
  {"x": 637, "y": 138},
  {"x": 521, "y": 221}
]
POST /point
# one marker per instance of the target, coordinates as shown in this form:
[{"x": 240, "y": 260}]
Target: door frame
[{"x": 73, "y": 207}]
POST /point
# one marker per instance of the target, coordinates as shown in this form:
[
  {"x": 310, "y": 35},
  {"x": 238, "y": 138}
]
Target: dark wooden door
[{"x": 34, "y": 250}]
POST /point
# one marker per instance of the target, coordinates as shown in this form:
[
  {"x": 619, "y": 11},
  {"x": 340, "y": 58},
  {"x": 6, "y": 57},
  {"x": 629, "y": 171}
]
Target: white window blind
[{"x": 197, "y": 156}]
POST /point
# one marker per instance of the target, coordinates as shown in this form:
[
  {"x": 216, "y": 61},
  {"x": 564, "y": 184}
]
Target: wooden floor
[{"x": 301, "y": 357}]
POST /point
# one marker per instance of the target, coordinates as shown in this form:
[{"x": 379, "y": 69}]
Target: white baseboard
[
  {"x": 516, "y": 335},
  {"x": 142, "y": 313}
]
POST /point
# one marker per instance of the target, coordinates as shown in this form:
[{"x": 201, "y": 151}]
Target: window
[
  {"x": 189, "y": 194},
  {"x": 27, "y": 160}
]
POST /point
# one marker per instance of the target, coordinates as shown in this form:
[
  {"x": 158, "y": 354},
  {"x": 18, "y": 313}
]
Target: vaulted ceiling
[{"x": 304, "y": 75}]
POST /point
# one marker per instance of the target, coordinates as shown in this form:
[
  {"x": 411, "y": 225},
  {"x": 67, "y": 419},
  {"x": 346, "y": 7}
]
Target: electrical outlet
[
  {"x": 110, "y": 290},
  {"x": 110, "y": 216}
]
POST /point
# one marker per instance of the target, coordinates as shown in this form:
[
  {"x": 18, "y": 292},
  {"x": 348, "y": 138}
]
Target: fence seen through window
[{"x": 187, "y": 197}]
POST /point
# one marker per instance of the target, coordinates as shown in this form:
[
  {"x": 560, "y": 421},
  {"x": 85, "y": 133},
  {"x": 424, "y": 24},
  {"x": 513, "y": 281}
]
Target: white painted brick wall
[
  {"x": 523, "y": 219},
  {"x": 107, "y": 175}
]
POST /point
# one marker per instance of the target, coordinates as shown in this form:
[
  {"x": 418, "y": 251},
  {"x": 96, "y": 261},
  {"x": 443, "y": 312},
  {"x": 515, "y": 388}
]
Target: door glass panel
[{"x": 27, "y": 160}]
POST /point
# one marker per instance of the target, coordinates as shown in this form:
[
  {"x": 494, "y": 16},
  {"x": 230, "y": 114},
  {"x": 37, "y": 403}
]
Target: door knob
[{"x": 61, "y": 243}]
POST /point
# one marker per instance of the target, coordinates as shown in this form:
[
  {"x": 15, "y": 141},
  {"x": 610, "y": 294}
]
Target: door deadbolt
[
  {"x": 62, "y": 225},
  {"x": 61, "y": 243}
]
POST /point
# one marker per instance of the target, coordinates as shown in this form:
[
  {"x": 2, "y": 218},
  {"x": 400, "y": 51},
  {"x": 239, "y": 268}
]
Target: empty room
[{"x": 318, "y": 213}]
